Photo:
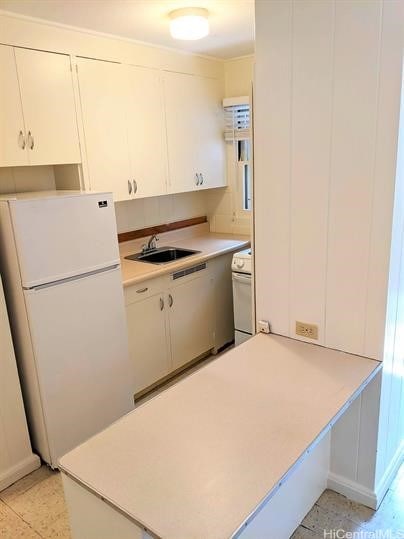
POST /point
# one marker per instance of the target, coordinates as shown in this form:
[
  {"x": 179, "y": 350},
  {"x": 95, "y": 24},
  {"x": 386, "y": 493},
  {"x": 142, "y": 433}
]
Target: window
[
  {"x": 244, "y": 172},
  {"x": 238, "y": 132}
]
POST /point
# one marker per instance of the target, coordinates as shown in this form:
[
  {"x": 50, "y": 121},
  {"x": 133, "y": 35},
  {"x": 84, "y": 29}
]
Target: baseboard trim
[
  {"x": 16, "y": 472},
  {"x": 352, "y": 490},
  {"x": 389, "y": 474},
  {"x": 358, "y": 493}
]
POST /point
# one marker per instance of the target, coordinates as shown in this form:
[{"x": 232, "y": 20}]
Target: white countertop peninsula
[{"x": 200, "y": 459}]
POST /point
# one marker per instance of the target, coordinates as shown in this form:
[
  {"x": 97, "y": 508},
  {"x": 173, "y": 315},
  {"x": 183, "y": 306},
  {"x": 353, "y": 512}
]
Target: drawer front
[{"x": 144, "y": 289}]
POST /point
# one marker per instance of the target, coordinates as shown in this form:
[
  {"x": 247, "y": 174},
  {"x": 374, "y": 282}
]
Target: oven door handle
[{"x": 242, "y": 278}]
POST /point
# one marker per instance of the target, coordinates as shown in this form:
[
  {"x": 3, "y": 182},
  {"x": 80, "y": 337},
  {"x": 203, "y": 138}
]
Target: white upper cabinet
[
  {"x": 139, "y": 129},
  {"x": 13, "y": 151},
  {"x": 146, "y": 131},
  {"x": 47, "y": 96},
  {"x": 103, "y": 95},
  {"x": 124, "y": 132},
  {"x": 194, "y": 120},
  {"x": 211, "y": 146}
]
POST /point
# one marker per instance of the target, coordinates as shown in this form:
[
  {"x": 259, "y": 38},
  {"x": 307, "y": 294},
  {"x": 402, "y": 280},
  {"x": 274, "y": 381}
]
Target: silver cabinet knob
[
  {"x": 161, "y": 304},
  {"x": 170, "y": 300},
  {"x": 196, "y": 179},
  {"x": 134, "y": 186},
  {"x": 141, "y": 290},
  {"x": 201, "y": 179},
  {"x": 21, "y": 140},
  {"x": 129, "y": 187},
  {"x": 31, "y": 141}
]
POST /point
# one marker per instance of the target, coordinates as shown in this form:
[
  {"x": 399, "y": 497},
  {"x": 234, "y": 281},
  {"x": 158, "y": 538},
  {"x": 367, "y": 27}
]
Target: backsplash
[{"x": 145, "y": 212}]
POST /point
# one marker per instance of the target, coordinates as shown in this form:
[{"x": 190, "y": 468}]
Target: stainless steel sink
[{"x": 163, "y": 255}]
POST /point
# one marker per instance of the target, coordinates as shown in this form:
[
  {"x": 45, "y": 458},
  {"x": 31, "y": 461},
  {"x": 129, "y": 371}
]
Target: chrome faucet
[{"x": 151, "y": 245}]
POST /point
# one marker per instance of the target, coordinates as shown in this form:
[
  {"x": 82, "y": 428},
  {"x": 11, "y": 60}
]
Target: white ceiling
[{"x": 231, "y": 21}]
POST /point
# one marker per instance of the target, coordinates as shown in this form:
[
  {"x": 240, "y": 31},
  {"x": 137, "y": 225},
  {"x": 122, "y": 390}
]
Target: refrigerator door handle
[{"x": 74, "y": 278}]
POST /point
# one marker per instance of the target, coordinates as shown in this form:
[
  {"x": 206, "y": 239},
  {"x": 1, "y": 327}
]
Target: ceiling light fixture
[{"x": 189, "y": 23}]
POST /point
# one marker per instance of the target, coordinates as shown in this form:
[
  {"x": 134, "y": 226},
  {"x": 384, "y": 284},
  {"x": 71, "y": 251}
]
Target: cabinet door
[
  {"x": 13, "y": 151},
  {"x": 146, "y": 132},
  {"x": 49, "y": 109},
  {"x": 182, "y": 120},
  {"x": 102, "y": 96},
  {"x": 194, "y": 118},
  {"x": 191, "y": 318},
  {"x": 211, "y": 144},
  {"x": 148, "y": 347}
]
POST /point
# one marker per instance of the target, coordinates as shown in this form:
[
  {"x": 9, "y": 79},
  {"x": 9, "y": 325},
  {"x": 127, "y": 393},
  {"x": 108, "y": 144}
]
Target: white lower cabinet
[
  {"x": 172, "y": 321},
  {"x": 148, "y": 340},
  {"x": 191, "y": 317}
]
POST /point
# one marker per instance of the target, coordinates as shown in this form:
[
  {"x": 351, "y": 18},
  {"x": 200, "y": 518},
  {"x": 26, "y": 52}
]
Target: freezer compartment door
[
  {"x": 79, "y": 338},
  {"x": 242, "y": 300},
  {"x": 63, "y": 236}
]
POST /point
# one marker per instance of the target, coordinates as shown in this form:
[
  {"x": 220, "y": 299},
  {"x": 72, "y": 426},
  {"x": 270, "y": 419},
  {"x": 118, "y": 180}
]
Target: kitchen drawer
[{"x": 144, "y": 289}]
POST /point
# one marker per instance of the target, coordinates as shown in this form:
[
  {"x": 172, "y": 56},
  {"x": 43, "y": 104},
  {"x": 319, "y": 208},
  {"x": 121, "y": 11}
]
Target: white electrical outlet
[
  {"x": 263, "y": 326},
  {"x": 310, "y": 331}
]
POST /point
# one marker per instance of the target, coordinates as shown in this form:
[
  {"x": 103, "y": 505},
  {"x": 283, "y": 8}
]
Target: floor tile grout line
[
  {"x": 32, "y": 486},
  {"x": 20, "y": 517},
  {"x": 22, "y": 520}
]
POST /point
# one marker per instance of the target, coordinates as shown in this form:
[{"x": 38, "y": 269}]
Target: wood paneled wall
[
  {"x": 326, "y": 114},
  {"x": 328, "y": 80}
]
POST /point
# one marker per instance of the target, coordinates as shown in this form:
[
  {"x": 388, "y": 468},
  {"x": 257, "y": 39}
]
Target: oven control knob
[{"x": 240, "y": 264}]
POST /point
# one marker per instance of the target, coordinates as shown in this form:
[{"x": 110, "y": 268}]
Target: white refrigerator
[{"x": 60, "y": 261}]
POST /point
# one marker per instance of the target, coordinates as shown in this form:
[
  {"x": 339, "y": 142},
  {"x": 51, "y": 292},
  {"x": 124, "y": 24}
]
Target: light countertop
[
  {"x": 210, "y": 244},
  {"x": 198, "y": 459}
]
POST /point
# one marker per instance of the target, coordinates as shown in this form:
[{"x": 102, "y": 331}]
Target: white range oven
[{"x": 242, "y": 295}]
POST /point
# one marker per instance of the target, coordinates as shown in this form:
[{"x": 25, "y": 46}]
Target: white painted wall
[
  {"x": 224, "y": 205},
  {"x": 16, "y": 457},
  {"x": 20, "y": 179},
  {"x": 327, "y": 95}
]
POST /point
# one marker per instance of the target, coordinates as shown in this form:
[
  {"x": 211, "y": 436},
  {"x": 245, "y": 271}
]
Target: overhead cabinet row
[
  {"x": 153, "y": 132},
  {"x": 144, "y": 132}
]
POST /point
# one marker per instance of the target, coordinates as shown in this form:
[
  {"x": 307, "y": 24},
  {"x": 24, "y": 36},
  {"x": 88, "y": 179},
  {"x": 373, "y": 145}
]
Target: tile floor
[
  {"x": 335, "y": 512},
  {"x": 34, "y": 508}
]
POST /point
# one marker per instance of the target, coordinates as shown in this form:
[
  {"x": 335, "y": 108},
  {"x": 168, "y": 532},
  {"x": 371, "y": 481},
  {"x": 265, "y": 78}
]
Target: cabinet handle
[
  {"x": 129, "y": 187},
  {"x": 31, "y": 141},
  {"x": 197, "y": 179},
  {"x": 161, "y": 304},
  {"x": 134, "y": 186},
  {"x": 201, "y": 179},
  {"x": 141, "y": 290},
  {"x": 170, "y": 300},
  {"x": 21, "y": 140}
]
